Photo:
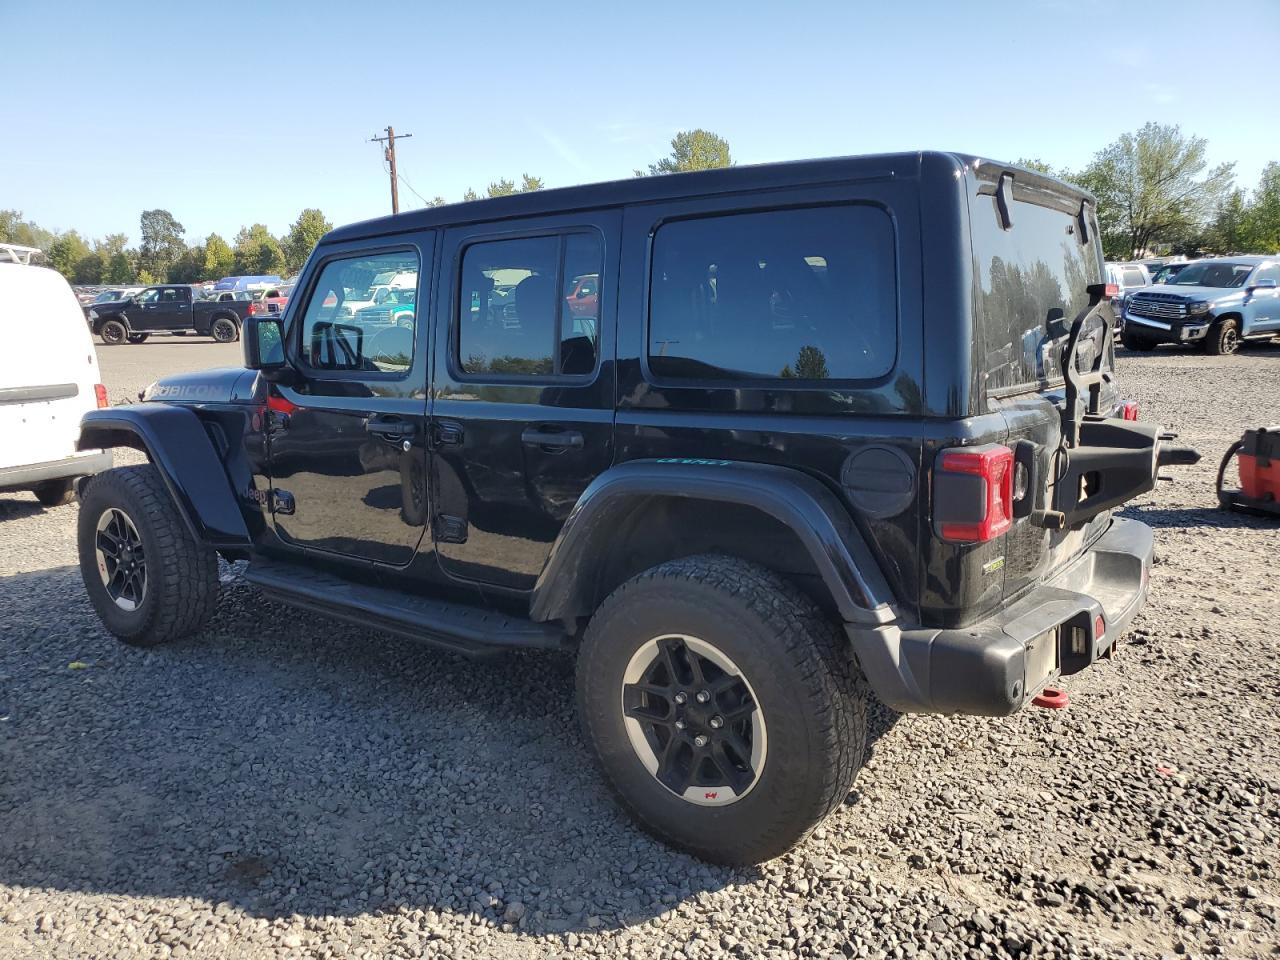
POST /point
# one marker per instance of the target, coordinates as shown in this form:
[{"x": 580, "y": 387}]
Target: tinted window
[
  {"x": 530, "y": 307},
  {"x": 1214, "y": 273},
  {"x": 1028, "y": 275},
  {"x": 788, "y": 294},
  {"x": 344, "y": 329}
]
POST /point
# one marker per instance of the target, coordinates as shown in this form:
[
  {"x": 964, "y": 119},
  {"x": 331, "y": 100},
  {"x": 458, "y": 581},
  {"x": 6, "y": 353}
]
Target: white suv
[{"x": 48, "y": 379}]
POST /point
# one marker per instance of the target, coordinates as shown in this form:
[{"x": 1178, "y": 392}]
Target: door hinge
[
  {"x": 449, "y": 529},
  {"x": 445, "y": 432}
]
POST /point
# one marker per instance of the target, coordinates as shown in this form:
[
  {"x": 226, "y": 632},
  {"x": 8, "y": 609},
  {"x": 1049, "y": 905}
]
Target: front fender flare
[
  {"x": 823, "y": 525},
  {"x": 177, "y": 443}
]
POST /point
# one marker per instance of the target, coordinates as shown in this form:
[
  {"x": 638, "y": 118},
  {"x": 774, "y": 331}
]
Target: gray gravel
[{"x": 282, "y": 785}]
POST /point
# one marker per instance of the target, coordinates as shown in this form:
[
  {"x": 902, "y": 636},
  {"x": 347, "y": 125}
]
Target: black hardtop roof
[{"x": 675, "y": 186}]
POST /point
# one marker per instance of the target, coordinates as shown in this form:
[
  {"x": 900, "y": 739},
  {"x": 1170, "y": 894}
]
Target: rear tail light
[
  {"x": 253, "y": 309},
  {"x": 973, "y": 493},
  {"x": 1113, "y": 290},
  {"x": 100, "y": 394},
  {"x": 1129, "y": 410}
]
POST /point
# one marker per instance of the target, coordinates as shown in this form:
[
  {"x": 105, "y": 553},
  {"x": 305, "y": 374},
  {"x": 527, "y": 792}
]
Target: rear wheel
[
  {"x": 1132, "y": 342},
  {"x": 1223, "y": 337},
  {"x": 55, "y": 493},
  {"x": 722, "y": 708},
  {"x": 224, "y": 330},
  {"x": 147, "y": 577},
  {"x": 113, "y": 332}
]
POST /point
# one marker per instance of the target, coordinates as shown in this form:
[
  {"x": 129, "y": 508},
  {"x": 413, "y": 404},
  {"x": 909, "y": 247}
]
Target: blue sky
[{"x": 233, "y": 113}]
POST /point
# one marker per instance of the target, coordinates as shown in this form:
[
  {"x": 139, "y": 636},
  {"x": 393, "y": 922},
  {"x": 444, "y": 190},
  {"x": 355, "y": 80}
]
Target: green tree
[
  {"x": 25, "y": 233},
  {"x": 67, "y": 251},
  {"x": 257, "y": 251},
  {"x": 1262, "y": 220},
  {"x": 219, "y": 259},
  {"x": 503, "y": 188},
  {"x": 693, "y": 150},
  {"x": 529, "y": 184},
  {"x": 303, "y": 237},
  {"x": 1039, "y": 166},
  {"x": 189, "y": 268},
  {"x": 119, "y": 269},
  {"x": 470, "y": 195},
  {"x": 89, "y": 268},
  {"x": 1154, "y": 187},
  {"x": 162, "y": 242}
]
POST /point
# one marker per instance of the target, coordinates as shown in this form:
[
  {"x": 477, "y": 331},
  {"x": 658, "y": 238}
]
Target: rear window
[
  {"x": 1134, "y": 278},
  {"x": 803, "y": 294},
  {"x": 1032, "y": 273}
]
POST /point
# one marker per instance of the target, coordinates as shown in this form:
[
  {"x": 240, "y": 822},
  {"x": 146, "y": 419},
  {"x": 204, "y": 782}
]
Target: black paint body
[{"x": 665, "y": 467}]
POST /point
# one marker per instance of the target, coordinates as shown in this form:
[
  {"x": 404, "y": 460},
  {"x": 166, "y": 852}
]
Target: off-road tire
[
  {"x": 1132, "y": 342},
  {"x": 55, "y": 493},
  {"x": 113, "y": 333},
  {"x": 224, "y": 330},
  {"x": 138, "y": 337},
  {"x": 182, "y": 575},
  {"x": 807, "y": 688},
  {"x": 1223, "y": 338}
]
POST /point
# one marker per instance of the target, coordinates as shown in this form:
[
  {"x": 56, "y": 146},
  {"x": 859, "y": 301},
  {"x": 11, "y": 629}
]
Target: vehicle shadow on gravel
[
  {"x": 1174, "y": 517},
  {"x": 289, "y": 765},
  {"x": 13, "y": 507}
]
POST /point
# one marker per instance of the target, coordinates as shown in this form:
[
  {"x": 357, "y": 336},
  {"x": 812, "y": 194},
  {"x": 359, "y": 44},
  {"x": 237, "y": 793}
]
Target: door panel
[
  {"x": 348, "y": 440},
  {"x": 524, "y": 375}
]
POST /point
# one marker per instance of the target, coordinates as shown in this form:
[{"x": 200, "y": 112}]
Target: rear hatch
[{"x": 1036, "y": 250}]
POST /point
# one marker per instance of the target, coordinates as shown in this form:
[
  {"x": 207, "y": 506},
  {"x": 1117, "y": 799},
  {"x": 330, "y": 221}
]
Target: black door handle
[
  {"x": 560, "y": 439},
  {"x": 389, "y": 428}
]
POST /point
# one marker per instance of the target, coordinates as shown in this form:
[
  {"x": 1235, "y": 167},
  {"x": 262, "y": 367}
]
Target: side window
[
  {"x": 149, "y": 296},
  {"x": 1271, "y": 272},
  {"x": 346, "y": 326},
  {"x": 806, "y": 294},
  {"x": 530, "y": 307},
  {"x": 169, "y": 295}
]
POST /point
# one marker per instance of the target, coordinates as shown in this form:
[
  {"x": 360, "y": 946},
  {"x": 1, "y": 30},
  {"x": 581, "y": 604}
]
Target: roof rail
[{"x": 19, "y": 254}]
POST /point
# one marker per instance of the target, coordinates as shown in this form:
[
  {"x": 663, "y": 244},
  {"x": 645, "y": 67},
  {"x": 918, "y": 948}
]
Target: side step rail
[{"x": 472, "y": 631}]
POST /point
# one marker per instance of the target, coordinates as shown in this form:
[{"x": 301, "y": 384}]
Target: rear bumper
[
  {"x": 28, "y": 475},
  {"x": 993, "y": 667}
]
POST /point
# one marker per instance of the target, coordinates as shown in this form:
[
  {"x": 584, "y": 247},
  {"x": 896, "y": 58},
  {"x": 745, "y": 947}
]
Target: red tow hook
[{"x": 1051, "y": 698}]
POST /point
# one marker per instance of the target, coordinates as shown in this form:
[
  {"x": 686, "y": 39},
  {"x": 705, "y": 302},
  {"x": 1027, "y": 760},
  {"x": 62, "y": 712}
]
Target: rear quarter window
[
  {"x": 797, "y": 294},
  {"x": 1024, "y": 277}
]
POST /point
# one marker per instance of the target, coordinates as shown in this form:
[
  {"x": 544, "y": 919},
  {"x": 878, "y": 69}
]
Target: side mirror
[{"x": 263, "y": 339}]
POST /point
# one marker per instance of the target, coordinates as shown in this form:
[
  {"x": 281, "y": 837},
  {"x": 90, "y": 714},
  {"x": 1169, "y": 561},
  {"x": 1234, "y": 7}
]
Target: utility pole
[{"x": 390, "y": 153}]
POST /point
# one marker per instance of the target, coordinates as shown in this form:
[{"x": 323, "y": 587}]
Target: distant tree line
[{"x": 1156, "y": 194}]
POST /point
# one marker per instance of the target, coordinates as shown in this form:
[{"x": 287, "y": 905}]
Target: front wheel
[
  {"x": 113, "y": 332},
  {"x": 722, "y": 707},
  {"x": 1132, "y": 342},
  {"x": 1223, "y": 338},
  {"x": 147, "y": 577},
  {"x": 224, "y": 330},
  {"x": 55, "y": 493}
]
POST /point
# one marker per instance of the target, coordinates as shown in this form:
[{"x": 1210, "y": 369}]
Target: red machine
[{"x": 1259, "y": 456}]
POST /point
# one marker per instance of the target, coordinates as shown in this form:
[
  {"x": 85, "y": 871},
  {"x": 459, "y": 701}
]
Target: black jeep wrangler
[{"x": 755, "y": 444}]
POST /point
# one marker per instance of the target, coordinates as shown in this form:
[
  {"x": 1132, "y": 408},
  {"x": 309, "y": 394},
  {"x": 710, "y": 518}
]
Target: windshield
[{"x": 1213, "y": 275}]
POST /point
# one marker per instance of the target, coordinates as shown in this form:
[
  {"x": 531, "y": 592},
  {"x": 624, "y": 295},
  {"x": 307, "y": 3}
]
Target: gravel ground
[{"x": 281, "y": 785}]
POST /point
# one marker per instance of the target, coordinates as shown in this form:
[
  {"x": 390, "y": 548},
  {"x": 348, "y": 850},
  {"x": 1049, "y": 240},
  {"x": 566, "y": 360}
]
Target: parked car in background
[
  {"x": 257, "y": 282},
  {"x": 168, "y": 308},
  {"x": 271, "y": 300},
  {"x": 1128, "y": 277},
  {"x": 48, "y": 380},
  {"x": 1216, "y": 302}
]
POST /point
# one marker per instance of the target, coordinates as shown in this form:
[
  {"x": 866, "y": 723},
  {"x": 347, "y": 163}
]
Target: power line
[{"x": 389, "y": 153}]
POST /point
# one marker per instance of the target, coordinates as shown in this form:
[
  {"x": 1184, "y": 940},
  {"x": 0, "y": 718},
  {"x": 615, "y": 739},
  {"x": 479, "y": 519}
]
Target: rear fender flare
[
  {"x": 176, "y": 441},
  {"x": 824, "y": 527}
]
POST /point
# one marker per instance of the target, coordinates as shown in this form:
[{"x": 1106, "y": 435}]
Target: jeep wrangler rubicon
[{"x": 755, "y": 444}]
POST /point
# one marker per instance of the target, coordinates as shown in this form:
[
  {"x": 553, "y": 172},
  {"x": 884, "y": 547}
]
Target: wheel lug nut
[
  {"x": 679, "y": 724},
  {"x": 717, "y": 723},
  {"x": 700, "y": 740},
  {"x": 681, "y": 697},
  {"x": 704, "y": 696}
]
